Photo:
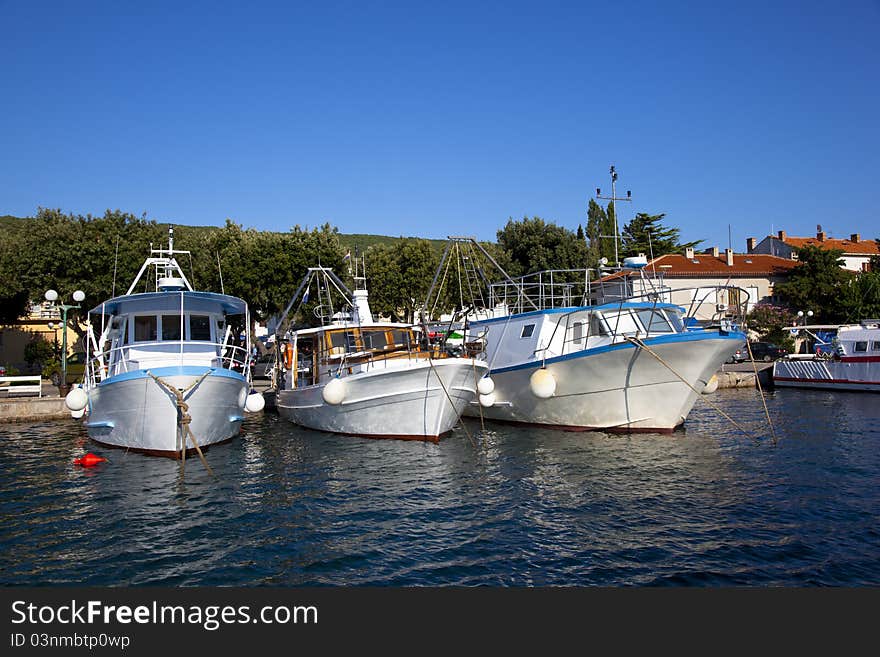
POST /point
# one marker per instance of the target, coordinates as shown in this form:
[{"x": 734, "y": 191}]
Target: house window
[
  {"x": 861, "y": 346},
  {"x": 527, "y": 331},
  {"x": 200, "y": 328},
  {"x": 145, "y": 328}
]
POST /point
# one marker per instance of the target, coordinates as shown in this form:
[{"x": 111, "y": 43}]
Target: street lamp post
[
  {"x": 804, "y": 316},
  {"x": 52, "y": 297}
]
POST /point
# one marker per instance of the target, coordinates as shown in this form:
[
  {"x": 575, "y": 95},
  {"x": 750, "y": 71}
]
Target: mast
[{"x": 614, "y": 198}]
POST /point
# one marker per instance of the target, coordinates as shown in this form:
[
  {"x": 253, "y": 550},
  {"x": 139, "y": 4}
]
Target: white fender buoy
[
  {"x": 542, "y": 384},
  {"x": 487, "y": 401},
  {"x": 711, "y": 385},
  {"x": 334, "y": 392},
  {"x": 254, "y": 402},
  {"x": 77, "y": 414},
  {"x": 76, "y": 399},
  {"x": 485, "y": 386}
]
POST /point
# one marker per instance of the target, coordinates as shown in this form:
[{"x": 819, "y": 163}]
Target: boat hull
[
  {"x": 617, "y": 388},
  {"x": 135, "y": 412},
  {"x": 861, "y": 375},
  {"x": 407, "y": 403}
]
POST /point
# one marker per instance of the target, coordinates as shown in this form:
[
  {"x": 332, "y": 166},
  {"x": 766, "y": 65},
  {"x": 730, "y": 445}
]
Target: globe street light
[
  {"x": 52, "y": 297},
  {"x": 804, "y": 316}
]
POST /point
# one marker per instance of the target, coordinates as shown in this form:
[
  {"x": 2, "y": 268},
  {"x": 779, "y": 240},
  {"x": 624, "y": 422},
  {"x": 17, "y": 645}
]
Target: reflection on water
[{"x": 703, "y": 506}]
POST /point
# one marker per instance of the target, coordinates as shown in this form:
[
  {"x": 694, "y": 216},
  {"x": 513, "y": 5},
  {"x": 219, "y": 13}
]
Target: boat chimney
[
  {"x": 729, "y": 255},
  {"x": 751, "y": 243},
  {"x": 362, "y": 313}
]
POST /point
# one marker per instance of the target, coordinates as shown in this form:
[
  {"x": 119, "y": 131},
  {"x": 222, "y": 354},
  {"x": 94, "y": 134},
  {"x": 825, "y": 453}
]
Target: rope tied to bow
[{"x": 184, "y": 419}]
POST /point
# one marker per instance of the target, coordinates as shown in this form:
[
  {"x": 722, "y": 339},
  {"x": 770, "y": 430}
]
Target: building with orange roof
[
  {"x": 857, "y": 252},
  {"x": 695, "y": 278}
]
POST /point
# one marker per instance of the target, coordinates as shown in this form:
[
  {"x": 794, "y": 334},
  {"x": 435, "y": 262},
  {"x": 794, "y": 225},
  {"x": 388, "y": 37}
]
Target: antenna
[
  {"x": 222, "y": 289},
  {"x": 115, "y": 260},
  {"x": 613, "y": 198}
]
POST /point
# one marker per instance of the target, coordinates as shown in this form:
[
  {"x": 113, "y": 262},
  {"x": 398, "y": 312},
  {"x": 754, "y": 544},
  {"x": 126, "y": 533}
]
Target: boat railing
[
  {"x": 576, "y": 335},
  {"x": 119, "y": 360},
  {"x": 552, "y": 288}
]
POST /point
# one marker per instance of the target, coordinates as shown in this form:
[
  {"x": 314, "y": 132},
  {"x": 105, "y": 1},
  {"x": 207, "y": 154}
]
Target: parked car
[
  {"x": 76, "y": 367},
  {"x": 765, "y": 351}
]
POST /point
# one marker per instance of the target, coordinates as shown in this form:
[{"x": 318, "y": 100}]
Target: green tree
[
  {"x": 769, "y": 322},
  {"x": 860, "y": 296},
  {"x": 600, "y": 232},
  {"x": 535, "y": 245},
  {"x": 38, "y": 351},
  {"x": 817, "y": 284},
  {"x": 399, "y": 276},
  {"x": 645, "y": 234}
]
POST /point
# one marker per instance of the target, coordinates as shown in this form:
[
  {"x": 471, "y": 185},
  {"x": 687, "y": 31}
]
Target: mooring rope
[
  {"x": 761, "y": 392},
  {"x": 641, "y": 345},
  {"x": 451, "y": 403},
  {"x": 184, "y": 418},
  {"x": 479, "y": 405}
]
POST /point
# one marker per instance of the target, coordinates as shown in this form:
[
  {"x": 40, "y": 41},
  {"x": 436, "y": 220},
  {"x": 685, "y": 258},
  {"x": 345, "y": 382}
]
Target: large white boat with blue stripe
[
  {"x": 567, "y": 352},
  {"x": 627, "y": 366},
  {"x": 169, "y": 367}
]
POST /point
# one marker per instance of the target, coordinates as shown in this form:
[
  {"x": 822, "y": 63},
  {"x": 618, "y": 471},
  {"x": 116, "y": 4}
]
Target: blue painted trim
[
  {"x": 142, "y": 301},
  {"x": 691, "y": 336},
  {"x": 106, "y": 424},
  {"x": 173, "y": 370},
  {"x": 571, "y": 309}
]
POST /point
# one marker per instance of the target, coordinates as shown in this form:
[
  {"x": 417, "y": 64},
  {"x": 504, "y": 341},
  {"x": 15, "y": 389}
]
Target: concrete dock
[{"x": 742, "y": 375}]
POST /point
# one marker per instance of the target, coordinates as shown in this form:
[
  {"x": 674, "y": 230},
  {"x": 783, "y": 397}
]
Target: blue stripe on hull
[
  {"x": 173, "y": 370},
  {"x": 693, "y": 336}
]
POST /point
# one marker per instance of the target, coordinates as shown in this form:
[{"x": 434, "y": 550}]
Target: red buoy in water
[{"x": 89, "y": 460}]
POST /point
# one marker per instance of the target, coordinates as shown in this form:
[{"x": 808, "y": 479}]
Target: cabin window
[
  {"x": 527, "y": 331},
  {"x": 597, "y": 326},
  {"x": 861, "y": 346},
  {"x": 200, "y": 328},
  {"x": 345, "y": 340},
  {"x": 145, "y": 328},
  {"x": 622, "y": 323},
  {"x": 374, "y": 339},
  {"x": 875, "y": 346},
  {"x": 171, "y": 327},
  {"x": 577, "y": 333},
  {"x": 675, "y": 319},
  {"x": 654, "y": 321},
  {"x": 400, "y": 337}
]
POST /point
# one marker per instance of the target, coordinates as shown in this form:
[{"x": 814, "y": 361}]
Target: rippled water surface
[{"x": 705, "y": 506}]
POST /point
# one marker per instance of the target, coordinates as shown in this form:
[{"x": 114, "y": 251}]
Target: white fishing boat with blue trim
[
  {"x": 562, "y": 355},
  {"x": 169, "y": 368},
  {"x": 628, "y": 366}
]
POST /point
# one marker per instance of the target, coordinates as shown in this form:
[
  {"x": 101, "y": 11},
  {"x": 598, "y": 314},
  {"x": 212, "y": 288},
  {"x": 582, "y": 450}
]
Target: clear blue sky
[{"x": 432, "y": 119}]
